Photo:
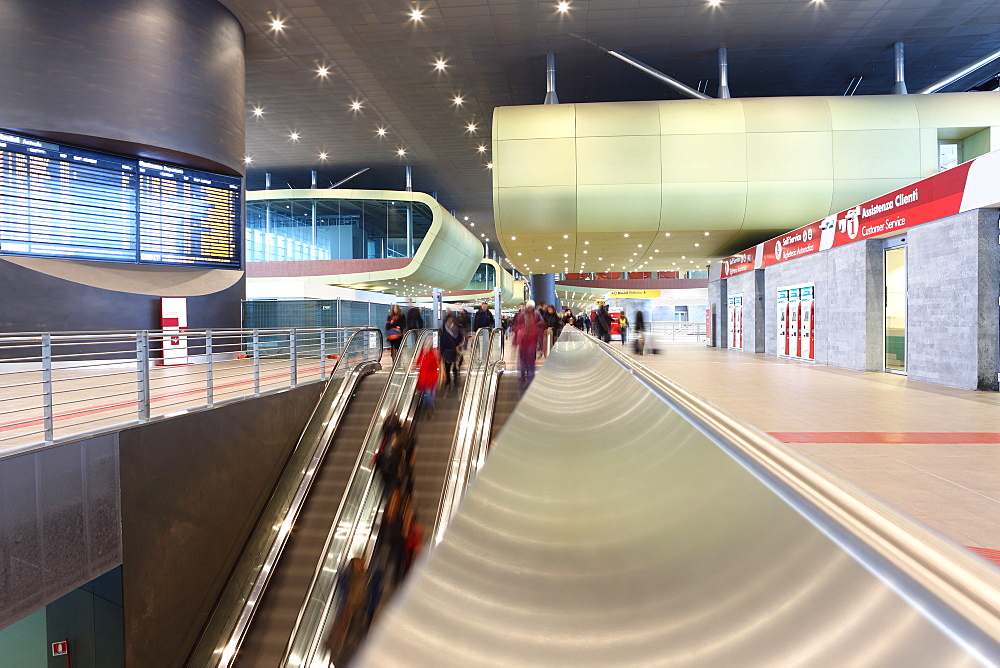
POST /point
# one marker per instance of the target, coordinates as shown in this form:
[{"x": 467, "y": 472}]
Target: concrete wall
[
  {"x": 717, "y": 296},
  {"x": 751, "y": 286},
  {"x": 952, "y": 306}
]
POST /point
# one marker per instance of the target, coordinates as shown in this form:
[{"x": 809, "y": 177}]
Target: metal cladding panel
[
  {"x": 159, "y": 79},
  {"x": 729, "y": 166}
]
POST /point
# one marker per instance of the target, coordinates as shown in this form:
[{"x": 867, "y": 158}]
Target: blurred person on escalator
[
  {"x": 429, "y": 366},
  {"x": 528, "y": 329},
  {"x": 395, "y": 325},
  {"x": 349, "y": 620},
  {"x": 484, "y": 318},
  {"x": 451, "y": 340},
  {"x": 413, "y": 318}
]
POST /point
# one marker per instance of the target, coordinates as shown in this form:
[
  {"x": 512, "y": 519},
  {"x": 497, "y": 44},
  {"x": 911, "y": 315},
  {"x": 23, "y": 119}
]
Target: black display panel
[{"x": 60, "y": 201}]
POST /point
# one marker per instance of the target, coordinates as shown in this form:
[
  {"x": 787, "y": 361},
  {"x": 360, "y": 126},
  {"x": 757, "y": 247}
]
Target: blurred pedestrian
[
  {"x": 451, "y": 340},
  {"x": 602, "y": 324},
  {"x": 623, "y": 325},
  {"x": 429, "y": 365},
  {"x": 395, "y": 325},
  {"x": 528, "y": 329},
  {"x": 484, "y": 318},
  {"x": 414, "y": 320}
]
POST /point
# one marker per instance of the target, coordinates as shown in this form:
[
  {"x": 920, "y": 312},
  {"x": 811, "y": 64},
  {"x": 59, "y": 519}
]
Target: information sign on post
[{"x": 173, "y": 320}]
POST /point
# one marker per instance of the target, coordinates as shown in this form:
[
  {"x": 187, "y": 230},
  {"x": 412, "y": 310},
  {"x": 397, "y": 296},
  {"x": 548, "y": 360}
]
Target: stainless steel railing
[{"x": 55, "y": 386}]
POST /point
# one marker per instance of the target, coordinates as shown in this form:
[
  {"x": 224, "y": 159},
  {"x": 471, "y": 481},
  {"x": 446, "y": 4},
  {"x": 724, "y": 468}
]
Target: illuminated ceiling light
[
  {"x": 471, "y": 127},
  {"x": 684, "y": 257},
  {"x": 258, "y": 112},
  {"x": 247, "y": 159},
  {"x": 277, "y": 25},
  {"x": 696, "y": 245},
  {"x": 639, "y": 245},
  {"x": 706, "y": 234},
  {"x": 380, "y": 132},
  {"x": 714, "y": 3},
  {"x": 294, "y": 136},
  {"x": 323, "y": 71},
  {"x": 634, "y": 253},
  {"x": 401, "y": 152},
  {"x": 440, "y": 64},
  {"x": 667, "y": 234},
  {"x": 466, "y": 217},
  {"x": 626, "y": 235},
  {"x": 536, "y": 259},
  {"x": 355, "y": 105},
  {"x": 458, "y": 100},
  {"x": 549, "y": 247},
  {"x": 600, "y": 258},
  {"x": 565, "y": 254},
  {"x": 489, "y": 165},
  {"x": 481, "y": 148},
  {"x": 417, "y": 15},
  {"x": 562, "y": 7},
  {"x": 519, "y": 255},
  {"x": 584, "y": 252},
  {"x": 322, "y": 155}
]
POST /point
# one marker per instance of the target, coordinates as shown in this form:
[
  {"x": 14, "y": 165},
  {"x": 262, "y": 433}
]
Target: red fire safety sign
[{"x": 60, "y": 648}]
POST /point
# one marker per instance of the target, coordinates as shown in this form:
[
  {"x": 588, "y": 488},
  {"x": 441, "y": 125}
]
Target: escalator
[
  {"x": 506, "y": 400},
  {"x": 434, "y": 438},
  {"x": 267, "y": 636}
]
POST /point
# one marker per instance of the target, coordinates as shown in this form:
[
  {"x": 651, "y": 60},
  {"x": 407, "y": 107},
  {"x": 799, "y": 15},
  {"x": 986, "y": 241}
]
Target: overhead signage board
[
  {"x": 634, "y": 294},
  {"x": 968, "y": 186}
]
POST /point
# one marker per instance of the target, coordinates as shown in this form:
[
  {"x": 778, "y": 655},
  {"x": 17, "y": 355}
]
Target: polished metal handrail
[
  {"x": 239, "y": 600},
  {"x": 61, "y": 385},
  {"x": 955, "y": 590},
  {"x": 351, "y": 530}
]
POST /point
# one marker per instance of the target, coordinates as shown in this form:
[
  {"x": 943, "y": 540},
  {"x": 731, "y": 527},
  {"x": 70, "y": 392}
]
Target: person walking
[
  {"x": 413, "y": 318},
  {"x": 451, "y": 339},
  {"x": 528, "y": 329},
  {"x": 484, "y": 318},
  {"x": 395, "y": 325},
  {"x": 640, "y": 332},
  {"x": 602, "y": 324},
  {"x": 623, "y": 326}
]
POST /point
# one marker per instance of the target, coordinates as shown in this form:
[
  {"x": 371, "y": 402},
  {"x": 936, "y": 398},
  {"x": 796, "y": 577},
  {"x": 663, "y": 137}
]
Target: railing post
[
  {"x": 209, "y": 370},
  {"x": 293, "y": 356},
  {"x": 256, "y": 362},
  {"x": 49, "y": 423},
  {"x": 322, "y": 352},
  {"x": 142, "y": 360}
]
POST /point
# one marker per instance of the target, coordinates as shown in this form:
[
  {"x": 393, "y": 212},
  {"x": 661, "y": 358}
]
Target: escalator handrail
[
  {"x": 467, "y": 434},
  {"x": 488, "y": 410},
  {"x": 218, "y": 646},
  {"x": 359, "y": 501},
  {"x": 959, "y": 592}
]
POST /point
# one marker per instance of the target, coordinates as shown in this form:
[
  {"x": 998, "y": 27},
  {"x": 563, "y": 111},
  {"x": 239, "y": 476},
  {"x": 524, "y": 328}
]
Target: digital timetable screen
[{"x": 61, "y": 201}]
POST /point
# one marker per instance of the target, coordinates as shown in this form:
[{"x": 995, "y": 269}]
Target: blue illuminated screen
[{"x": 61, "y": 201}]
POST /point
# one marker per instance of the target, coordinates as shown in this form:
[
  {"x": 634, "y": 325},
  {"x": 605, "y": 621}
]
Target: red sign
[
  {"x": 935, "y": 197},
  {"x": 60, "y": 648}
]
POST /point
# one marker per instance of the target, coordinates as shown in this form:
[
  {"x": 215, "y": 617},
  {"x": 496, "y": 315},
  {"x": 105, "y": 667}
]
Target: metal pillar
[
  {"x": 899, "y": 87},
  {"x": 724, "y": 74},
  {"x": 543, "y": 289},
  {"x": 312, "y": 251},
  {"x": 550, "y": 80},
  {"x": 409, "y": 213}
]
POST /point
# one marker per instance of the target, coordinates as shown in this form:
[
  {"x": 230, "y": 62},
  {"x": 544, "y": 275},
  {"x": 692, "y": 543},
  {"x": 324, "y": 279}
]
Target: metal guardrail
[{"x": 56, "y": 386}]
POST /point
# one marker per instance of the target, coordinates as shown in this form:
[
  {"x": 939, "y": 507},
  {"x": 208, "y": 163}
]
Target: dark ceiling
[{"x": 495, "y": 54}]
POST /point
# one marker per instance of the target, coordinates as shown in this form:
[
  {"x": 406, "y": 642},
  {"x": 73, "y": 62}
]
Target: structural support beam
[
  {"x": 550, "y": 80},
  {"x": 955, "y": 76},
  {"x": 899, "y": 87},
  {"x": 656, "y": 74},
  {"x": 724, "y": 74}
]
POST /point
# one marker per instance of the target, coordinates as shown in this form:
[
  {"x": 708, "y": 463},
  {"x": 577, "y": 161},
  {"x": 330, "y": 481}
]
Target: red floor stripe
[
  {"x": 885, "y": 437},
  {"x": 986, "y": 553}
]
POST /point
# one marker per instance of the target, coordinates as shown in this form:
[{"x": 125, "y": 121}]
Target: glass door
[{"x": 895, "y": 309}]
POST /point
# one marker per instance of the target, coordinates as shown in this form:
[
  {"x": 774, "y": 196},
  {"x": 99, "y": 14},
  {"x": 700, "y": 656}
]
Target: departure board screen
[{"x": 61, "y": 201}]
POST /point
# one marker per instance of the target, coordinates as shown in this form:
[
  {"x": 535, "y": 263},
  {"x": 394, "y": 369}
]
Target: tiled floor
[{"x": 897, "y": 427}]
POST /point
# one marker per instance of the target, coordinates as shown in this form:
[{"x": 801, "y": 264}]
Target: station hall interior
[{"x": 759, "y": 426}]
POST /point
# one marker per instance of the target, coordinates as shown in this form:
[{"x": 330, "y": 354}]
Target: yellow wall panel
[
  {"x": 875, "y": 154},
  {"x": 871, "y": 112},
  {"x": 789, "y": 156},
  {"x": 538, "y": 162},
  {"x": 625, "y": 208},
  {"x": 786, "y": 114},
  {"x": 616, "y": 119},
  {"x": 848, "y": 192},
  {"x": 610, "y": 160},
  {"x": 700, "y": 116},
  {"x": 703, "y": 206},
  {"x": 535, "y": 209},
  {"x": 787, "y": 204},
  {"x": 969, "y": 110},
  {"x": 704, "y": 158},
  {"x": 544, "y": 121}
]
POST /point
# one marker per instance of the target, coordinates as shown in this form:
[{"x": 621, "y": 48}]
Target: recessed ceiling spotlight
[
  {"x": 458, "y": 100},
  {"x": 258, "y": 112},
  {"x": 519, "y": 255},
  {"x": 322, "y": 155},
  {"x": 549, "y": 247},
  {"x": 600, "y": 258},
  {"x": 481, "y": 148},
  {"x": 380, "y": 132},
  {"x": 513, "y": 238},
  {"x": 466, "y": 217},
  {"x": 639, "y": 245},
  {"x": 696, "y": 245},
  {"x": 323, "y": 71},
  {"x": 489, "y": 165},
  {"x": 277, "y": 25},
  {"x": 667, "y": 234},
  {"x": 706, "y": 234},
  {"x": 247, "y": 159},
  {"x": 400, "y": 152},
  {"x": 417, "y": 14},
  {"x": 472, "y": 224},
  {"x": 715, "y": 3},
  {"x": 584, "y": 252},
  {"x": 562, "y": 7},
  {"x": 471, "y": 127},
  {"x": 626, "y": 235},
  {"x": 440, "y": 64},
  {"x": 565, "y": 254},
  {"x": 355, "y": 105},
  {"x": 294, "y": 136}
]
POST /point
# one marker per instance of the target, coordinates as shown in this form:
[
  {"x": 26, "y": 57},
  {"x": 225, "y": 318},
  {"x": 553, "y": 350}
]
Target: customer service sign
[{"x": 971, "y": 185}]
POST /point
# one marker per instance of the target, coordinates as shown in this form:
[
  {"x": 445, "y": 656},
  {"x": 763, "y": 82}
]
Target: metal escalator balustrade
[
  {"x": 621, "y": 520},
  {"x": 237, "y": 604},
  {"x": 357, "y": 517}
]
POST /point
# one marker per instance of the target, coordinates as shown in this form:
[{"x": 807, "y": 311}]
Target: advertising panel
[{"x": 173, "y": 320}]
